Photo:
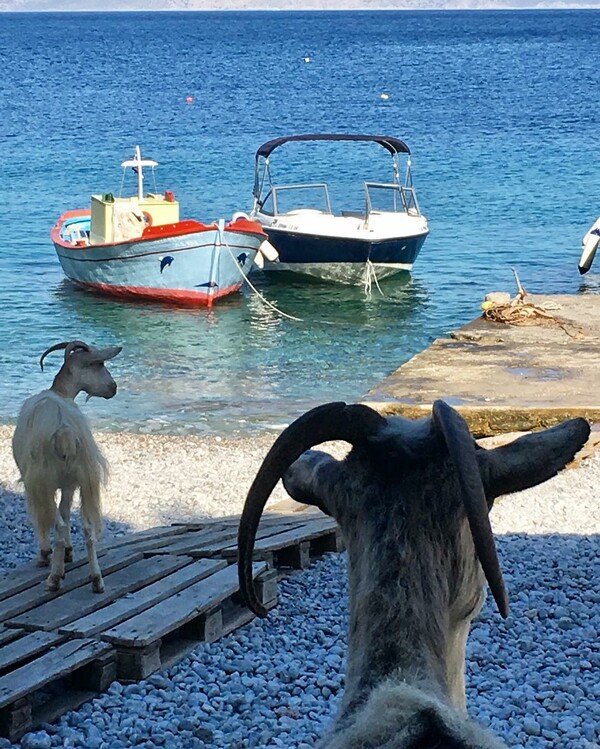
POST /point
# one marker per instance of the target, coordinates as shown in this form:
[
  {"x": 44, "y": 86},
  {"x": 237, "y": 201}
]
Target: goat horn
[
  {"x": 69, "y": 347},
  {"x": 461, "y": 448},
  {"x": 332, "y": 421}
]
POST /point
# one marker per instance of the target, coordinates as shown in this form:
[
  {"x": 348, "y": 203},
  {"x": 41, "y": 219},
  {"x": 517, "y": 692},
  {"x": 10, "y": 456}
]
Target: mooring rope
[
  {"x": 249, "y": 282},
  {"x": 370, "y": 275}
]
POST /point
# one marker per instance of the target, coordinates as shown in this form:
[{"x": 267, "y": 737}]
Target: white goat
[
  {"x": 412, "y": 501},
  {"x": 54, "y": 449}
]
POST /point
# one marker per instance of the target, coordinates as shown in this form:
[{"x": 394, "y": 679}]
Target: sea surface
[{"x": 500, "y": 110}]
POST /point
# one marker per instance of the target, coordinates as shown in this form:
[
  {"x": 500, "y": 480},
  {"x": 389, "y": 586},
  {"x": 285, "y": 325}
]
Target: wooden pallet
[
  {"x": 166, "y": 590},
  {"x": 294, "y": 546},
  {"x": 163, "y": 634},
  {"x": 43, "y": 676},
  {"x": 282, "y": 542}
]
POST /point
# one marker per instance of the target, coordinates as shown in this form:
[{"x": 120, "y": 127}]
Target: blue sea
[{"x": 500, "y": 110}]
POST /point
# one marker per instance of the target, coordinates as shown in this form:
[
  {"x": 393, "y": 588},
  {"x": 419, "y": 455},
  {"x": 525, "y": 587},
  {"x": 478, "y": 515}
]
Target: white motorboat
[{"x": 348, "y": 246}]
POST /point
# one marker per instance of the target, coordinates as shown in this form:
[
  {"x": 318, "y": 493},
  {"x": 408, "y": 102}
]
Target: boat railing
[
  {"x": 404, "y": 197},
  {"x": 276, "y": 190}
]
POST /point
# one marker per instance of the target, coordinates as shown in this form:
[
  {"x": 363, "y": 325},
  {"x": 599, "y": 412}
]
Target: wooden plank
[
  {"x": 30, "y": 574},
  {"x": 183, "y": 544},
  {"x": 82, "y": 601},
  {"x": 7, "y": 634},
  {"x": 296, "y": 556},
  {"x": 16, "y": 719},
  {"x": 149, "y": 543},
  {"x": 328, "y": 542},
  {"x": 135, "y": 603},
  {"x": 174, "y": 612},
  {"x": 164, "y": 531},
  {"x": 213, "y": 539},
  {"x": 26, "y": 647},
  {"x": 65, "y": 692},
  {"x": 305, "y": 532},
  {"x": 54, "y": 664},
  {"x": 39, "y": 594},
  {"x": 213, "y": 548},
  {"x": 19, "y": 579},
  {"x": 27, "y": 575},
  {"x": 234, "y": 520}
]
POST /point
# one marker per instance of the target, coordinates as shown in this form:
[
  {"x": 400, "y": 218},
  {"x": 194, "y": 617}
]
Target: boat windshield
[
  {"x": 390, "y": 197},
  {"x": 288, "y": 198}
]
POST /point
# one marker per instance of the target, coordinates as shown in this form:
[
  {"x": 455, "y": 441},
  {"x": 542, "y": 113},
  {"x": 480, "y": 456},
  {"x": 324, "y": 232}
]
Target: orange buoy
[{"x": 189, "y": 99}]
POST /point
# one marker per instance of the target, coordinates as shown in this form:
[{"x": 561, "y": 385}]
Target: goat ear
[
  {"x": 106, "y": 354},
  {"x": 311, "y": 478},
  {"x": 531, "y": 459}
]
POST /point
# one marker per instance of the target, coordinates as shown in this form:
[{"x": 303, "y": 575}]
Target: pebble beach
[{"x": 532, "y": 679}]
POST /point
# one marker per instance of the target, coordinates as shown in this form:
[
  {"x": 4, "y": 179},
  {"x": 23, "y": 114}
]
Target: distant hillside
[{"x": 131, "y": 5}]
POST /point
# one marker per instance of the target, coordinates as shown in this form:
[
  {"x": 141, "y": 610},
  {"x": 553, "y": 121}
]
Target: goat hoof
[
  {"x": 43, "y": 559},
  {"x": 97, "y": 585},
  {"x": 53, "y": 583},
  {"x": 68, "y": 553}
]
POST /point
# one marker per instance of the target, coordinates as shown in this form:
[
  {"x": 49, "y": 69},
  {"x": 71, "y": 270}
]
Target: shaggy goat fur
[
  {"x": 404, "y": 500},
  {"x": 54, "y": 450}
]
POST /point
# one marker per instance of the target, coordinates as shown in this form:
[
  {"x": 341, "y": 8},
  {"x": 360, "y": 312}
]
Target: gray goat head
[{"x": 412, "y": 500}]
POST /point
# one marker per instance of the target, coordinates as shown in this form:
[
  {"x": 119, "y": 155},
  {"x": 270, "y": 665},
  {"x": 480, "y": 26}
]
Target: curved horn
[
  {"x": 69, "y": 347},
  {"x": 461, "y": 448},
  {"x": 332, "y": 421}
]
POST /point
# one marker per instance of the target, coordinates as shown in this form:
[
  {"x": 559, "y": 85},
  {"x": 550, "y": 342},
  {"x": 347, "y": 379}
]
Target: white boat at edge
[{"x": 589, "y": 245}]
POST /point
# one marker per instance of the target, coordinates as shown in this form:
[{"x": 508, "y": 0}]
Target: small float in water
[
  {"x": 589, "y": 245},
  {"x": 138, "y": 248}
]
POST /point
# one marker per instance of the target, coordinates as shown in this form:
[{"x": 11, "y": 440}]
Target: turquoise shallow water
[{"x": 499, "y": 109}]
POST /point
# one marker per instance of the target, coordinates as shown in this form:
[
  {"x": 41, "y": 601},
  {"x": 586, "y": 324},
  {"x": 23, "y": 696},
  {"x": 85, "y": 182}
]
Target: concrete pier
[{"x": 506, "y": 378}]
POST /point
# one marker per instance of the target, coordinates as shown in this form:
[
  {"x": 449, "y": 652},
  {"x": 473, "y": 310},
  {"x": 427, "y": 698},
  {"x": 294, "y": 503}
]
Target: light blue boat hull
[{"x": 195, "y": 268}]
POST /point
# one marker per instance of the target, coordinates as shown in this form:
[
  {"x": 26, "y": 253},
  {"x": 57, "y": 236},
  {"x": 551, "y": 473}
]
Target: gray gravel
[{"x": 534, "y": 679}]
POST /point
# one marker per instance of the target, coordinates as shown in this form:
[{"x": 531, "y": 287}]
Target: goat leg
[
  {"x": 90, "y": 543},
  {"x": 57, "y": 570},
  {"x": 45, "y": 552},
  {"x": 66, "y": 500},
  {"x": 42, "y": 510}
]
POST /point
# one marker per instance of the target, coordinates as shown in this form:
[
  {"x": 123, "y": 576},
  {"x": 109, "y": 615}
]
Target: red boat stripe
[{"x": 186, "y": 297}]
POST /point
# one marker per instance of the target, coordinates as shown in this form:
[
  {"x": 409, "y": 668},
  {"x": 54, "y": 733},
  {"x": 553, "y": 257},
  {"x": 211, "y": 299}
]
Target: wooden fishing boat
[{"x": 137, "y": 247}]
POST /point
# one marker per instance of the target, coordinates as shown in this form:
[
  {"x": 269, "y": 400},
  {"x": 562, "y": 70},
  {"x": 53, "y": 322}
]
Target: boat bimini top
[{"x": 394, "y": 146}]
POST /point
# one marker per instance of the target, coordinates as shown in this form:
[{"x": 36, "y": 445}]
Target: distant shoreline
[{"x": 308, "y": 9}]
